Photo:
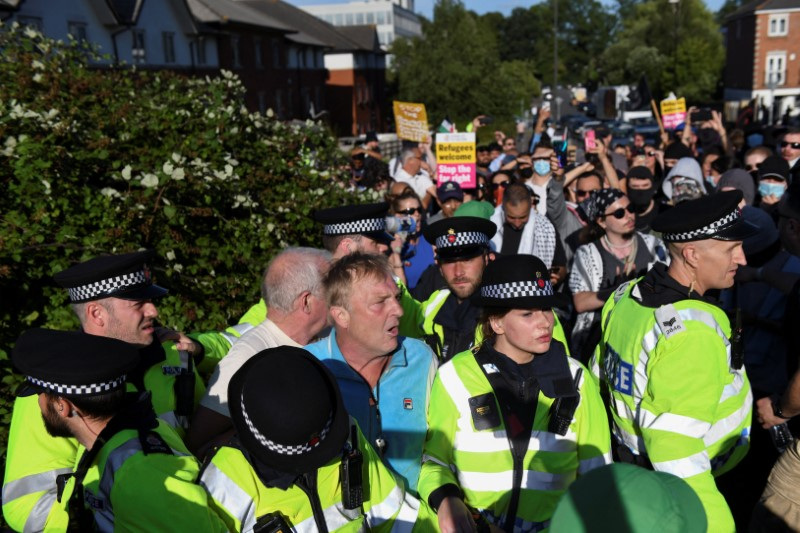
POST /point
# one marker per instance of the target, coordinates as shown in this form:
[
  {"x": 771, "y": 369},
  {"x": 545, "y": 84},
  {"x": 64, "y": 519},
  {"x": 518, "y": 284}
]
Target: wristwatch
[{"x": 776, "y": 407}]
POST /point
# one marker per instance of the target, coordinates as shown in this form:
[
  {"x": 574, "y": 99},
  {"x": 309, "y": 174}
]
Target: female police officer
[{"x": 509, "y": 422}]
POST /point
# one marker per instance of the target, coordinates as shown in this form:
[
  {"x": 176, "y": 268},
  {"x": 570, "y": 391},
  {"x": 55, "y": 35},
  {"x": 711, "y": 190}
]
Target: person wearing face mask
[
  {"x": 684, "y": 181},
  {"x": 615, "y": 252},
  {"x": 773, "y": 178},
  {"x": 641, "y": 190}
]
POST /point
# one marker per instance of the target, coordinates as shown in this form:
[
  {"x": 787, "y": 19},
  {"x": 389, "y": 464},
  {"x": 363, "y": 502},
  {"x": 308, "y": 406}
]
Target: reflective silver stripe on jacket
[
  {"x": 229, "y": 496},
  {"x": 42, "y": 482}
]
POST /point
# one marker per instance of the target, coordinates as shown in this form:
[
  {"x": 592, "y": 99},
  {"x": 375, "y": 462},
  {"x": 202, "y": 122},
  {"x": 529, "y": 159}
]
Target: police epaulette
[{"x": 152, "y": 442}]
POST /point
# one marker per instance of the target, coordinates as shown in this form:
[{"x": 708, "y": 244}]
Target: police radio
[
  {"x": 271, "y": 523},
  {"x": 350, "y": 473}
]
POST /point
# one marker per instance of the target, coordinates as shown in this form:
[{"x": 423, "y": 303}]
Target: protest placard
[
  {"x": 411, "y": 121},
  {"x": 673, "y": 112},
  {"x": 455, "y": 159}
]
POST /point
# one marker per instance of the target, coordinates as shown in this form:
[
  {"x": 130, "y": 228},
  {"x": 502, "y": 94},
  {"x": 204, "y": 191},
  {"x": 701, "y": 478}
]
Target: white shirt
[
  {"x": 420, "y": 182},
  {"x": 263, "y": 336}
]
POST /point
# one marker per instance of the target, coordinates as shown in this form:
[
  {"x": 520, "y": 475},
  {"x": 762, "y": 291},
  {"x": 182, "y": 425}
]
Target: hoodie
[{"x": 688, "y": 168}]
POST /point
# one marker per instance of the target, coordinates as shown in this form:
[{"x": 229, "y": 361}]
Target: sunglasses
[
  {"x": 795, "y": 146},
  {"x": 619, "y": 213},
  {"x": 504, "y": 184},
  {"x": 410, "y": 211},
  {"x": 651, "y": 154},
  {"x": 581, "y": 194},
  {"x": 750, "y": 168}
]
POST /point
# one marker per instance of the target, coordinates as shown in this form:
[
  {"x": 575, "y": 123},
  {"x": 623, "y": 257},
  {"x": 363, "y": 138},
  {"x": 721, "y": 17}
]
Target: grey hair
[
  {"x": 291, "y": 273},
  {"x": 407, "y": 154},
  {"x": 80, "y": 310}
]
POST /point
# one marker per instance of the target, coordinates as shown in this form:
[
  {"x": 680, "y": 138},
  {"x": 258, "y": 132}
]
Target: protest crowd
[{"x": 577, "y": 336}]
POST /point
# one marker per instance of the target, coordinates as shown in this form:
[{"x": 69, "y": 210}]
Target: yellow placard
[
  {"x": 411, "y": 121},
  {"x": 671, "y": 107},
  {"x": 455, "y": 152}
]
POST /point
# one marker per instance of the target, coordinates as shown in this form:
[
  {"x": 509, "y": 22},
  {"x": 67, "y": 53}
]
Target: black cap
[
  {"x": 72, "y": 363},
  {"x": 677, "y": 150},
  {"x": 640, "y": 172},
  {"x": 125, "y": 276},
  {"x": 460, "y": 237},
  {"x": 365, "y": 219},
  {"x": 449, "y": 190},
  {"x": 710, "y": 217},
  {"x": 288, "y": 411},
  {"x": 371, "y": 137},
  {"x": 774, "y": 167},
  {"x": 517, "y": 282}
]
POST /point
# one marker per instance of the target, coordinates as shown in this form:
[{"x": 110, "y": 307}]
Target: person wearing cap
[
  {"x": 112, "y": 297},
  {"x": 449, "y": 196},
  {"x": 624, "y": 497},
  {"x": 614, "y": 253},
  {"x": 385, "y": 377},
  {"x": 132, "y": 473},
  {"x": 773, "y": 179},
  {"x": 513, "y": 422},
  {"x": 298, "y": 461},
  {"x": 669, "y": 361},
  {"x": 675, "y": 151}
]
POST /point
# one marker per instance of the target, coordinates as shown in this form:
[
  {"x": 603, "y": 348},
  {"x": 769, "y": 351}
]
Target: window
[
  {"x": 776, "y": 68},
  {"x": 262, "y": 101},
  {"x": 348, "y": 19},
  {"x": 201, "y": 51},
  {"x": 359, "y": 18},
  {"x": 778, "y": 25},
  {"x": 169, "y": 46},
  {"x": 237, "y": 60},
  {"x": 31, "y": 22},
  {"x": 139, "y": 50},
  {"x": 381, "y": 17},
  {"x": 388, "y": 17},
  {"x": 77, "y": 30},
  {"x": 276, "y": 52},
  {"x": 279, "y": 103},
  {"x": 339, "y": 19},
  {"x": 257, "y": 47},
  {"x": 370, "y": 18}
]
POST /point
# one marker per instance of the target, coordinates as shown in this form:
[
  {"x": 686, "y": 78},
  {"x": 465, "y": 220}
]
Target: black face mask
[
  {"x": 640, "y": 198},
  {"x": 526, "y": 173}
]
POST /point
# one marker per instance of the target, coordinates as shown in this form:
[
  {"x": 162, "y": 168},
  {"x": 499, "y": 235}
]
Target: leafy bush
[{"x": 97, "y": 160}]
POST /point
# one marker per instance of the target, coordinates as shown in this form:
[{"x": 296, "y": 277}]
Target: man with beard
[
  {"x": 641, "y": 190},
  {"x": 113, "y": 297},
  {"x": 134, "y": 473}
]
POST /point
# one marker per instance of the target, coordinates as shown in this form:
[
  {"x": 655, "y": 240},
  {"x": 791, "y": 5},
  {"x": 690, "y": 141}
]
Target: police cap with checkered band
[
  {"x": 517, "y": 282},
  {"x": 364, "y": 219},
  {"x": 716, "y": 216},
  {"x": 72, "y": 363},
  {"x": 460, "y": 237},
  {"x": 288, "y": 411},
  {"x": 125, "y": 276}
]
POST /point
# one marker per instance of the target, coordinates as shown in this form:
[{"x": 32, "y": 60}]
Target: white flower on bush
[
  {"x": 10, "y": 144},
  {"x": 37, "y": 78},
  {"x": 149, "y": 181},
  {"x": 167, "y": 168},
  {"x": 228, "y": 170},
  {"x": 270, "y": 227},
  {"x": 178, "y": 174},
  {"x": 126, "y": 173},
  {"x": 170, "y": 255},
  {"x": 177, "y": 267},
  {"x": 38, "y": 65},
  {"x": 46, "y": 186},
  {"x": 110, "y": 192},
  {"x": 31, "y": 33},
  {"x": 176, "y": 157},
  {"x": 270, "y": 113}
]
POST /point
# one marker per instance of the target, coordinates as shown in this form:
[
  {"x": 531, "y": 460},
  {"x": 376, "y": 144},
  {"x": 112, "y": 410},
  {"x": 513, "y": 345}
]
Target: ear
[
  {"x": 601, "y": 222},
  {"x": 497, "y": 325},
  {"x": 96, "y": 314},
  {"x": 63, "y": 407},
  {"x": 303, "y": 302},
  {"x": 691, "y": 255},
  {"x": 340, "y": 316},
  {"x": 347, "y": 245}
]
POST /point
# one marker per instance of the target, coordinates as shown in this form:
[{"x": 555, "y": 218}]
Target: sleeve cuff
[{"x": 437, "y": 497}]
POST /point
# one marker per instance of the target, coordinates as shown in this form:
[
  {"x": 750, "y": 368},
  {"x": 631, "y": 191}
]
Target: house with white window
[{"x": 763, "y": 57}]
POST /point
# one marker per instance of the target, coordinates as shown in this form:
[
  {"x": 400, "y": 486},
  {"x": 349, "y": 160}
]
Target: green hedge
[{"x": 97, "y": 160}]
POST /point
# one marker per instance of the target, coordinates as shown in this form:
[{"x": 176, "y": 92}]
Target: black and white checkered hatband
[
  {"x": 90, "y": 389},
  {"x": 287, "y": 449},
  {"x": 706, "y": 232},
  {"x": 109, "y": 286},
  {"x": 366, "y": 225},
  {"x": 455, "y": 239},
  {"x": 518, "y": 289}
]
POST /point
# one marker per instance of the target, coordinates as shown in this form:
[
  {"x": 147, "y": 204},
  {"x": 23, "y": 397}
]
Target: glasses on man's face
[
  {"x": 502, "y": 184},
  {"x": 651, "y": 154},
  {"x": 410, "y": 211},
  {"x": 582, "y": 194},
  {"x": 795, "y": 146},
  {"x": 619, "y": 213},
  {"x": 751, "y": 168}
]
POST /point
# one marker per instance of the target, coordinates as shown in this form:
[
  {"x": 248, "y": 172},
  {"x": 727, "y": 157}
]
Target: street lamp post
[{"x": 555, "y": 54}]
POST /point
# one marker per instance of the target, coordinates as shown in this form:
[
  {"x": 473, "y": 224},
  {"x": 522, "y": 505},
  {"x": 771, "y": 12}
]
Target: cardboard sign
[
  {"x": 411, "y": 121},
  {"x": 673, "y": 112},
  {"x": 455, "y": 159}
]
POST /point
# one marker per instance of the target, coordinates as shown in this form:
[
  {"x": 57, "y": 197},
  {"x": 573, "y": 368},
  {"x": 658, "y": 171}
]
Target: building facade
[{"x": 763, "y": 57}]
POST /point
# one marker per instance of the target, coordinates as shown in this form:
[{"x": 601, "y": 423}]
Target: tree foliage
[
  {"x": 678, "y": 46},
  {"x": 456, "y": 70},
  {"x": 99, "y": 160}
]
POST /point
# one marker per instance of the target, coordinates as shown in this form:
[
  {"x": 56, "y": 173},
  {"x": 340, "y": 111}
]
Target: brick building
[{"x": 763, "y": 57}]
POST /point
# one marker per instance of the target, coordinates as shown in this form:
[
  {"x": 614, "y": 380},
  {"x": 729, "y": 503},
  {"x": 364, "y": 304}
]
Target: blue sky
[{"x": 425, "y": 7}]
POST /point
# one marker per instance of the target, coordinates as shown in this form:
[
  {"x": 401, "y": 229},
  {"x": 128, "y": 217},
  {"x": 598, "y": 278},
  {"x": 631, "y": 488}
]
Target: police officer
[
  {"x": 448, "y": 319},
  {"x": 133, "y": 471},
  {"x": 112, "y": 296},
  {"x": 298, "y": 461},
  {"x": 679, "y": 395},
  {"x": 514, "y": 421}
]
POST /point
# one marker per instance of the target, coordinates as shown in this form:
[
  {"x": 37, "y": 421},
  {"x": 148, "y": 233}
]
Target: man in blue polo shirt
[{"x": 385, "y": 379}]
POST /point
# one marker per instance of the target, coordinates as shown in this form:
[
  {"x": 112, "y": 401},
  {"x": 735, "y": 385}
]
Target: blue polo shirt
[{"x": 402, "y": 395}]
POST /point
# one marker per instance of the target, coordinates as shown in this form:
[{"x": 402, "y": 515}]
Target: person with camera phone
[{"x": 415, "y": 253}]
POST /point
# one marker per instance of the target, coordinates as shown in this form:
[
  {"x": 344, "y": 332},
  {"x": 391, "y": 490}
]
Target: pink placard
[{"x": 461, "y": 173}]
